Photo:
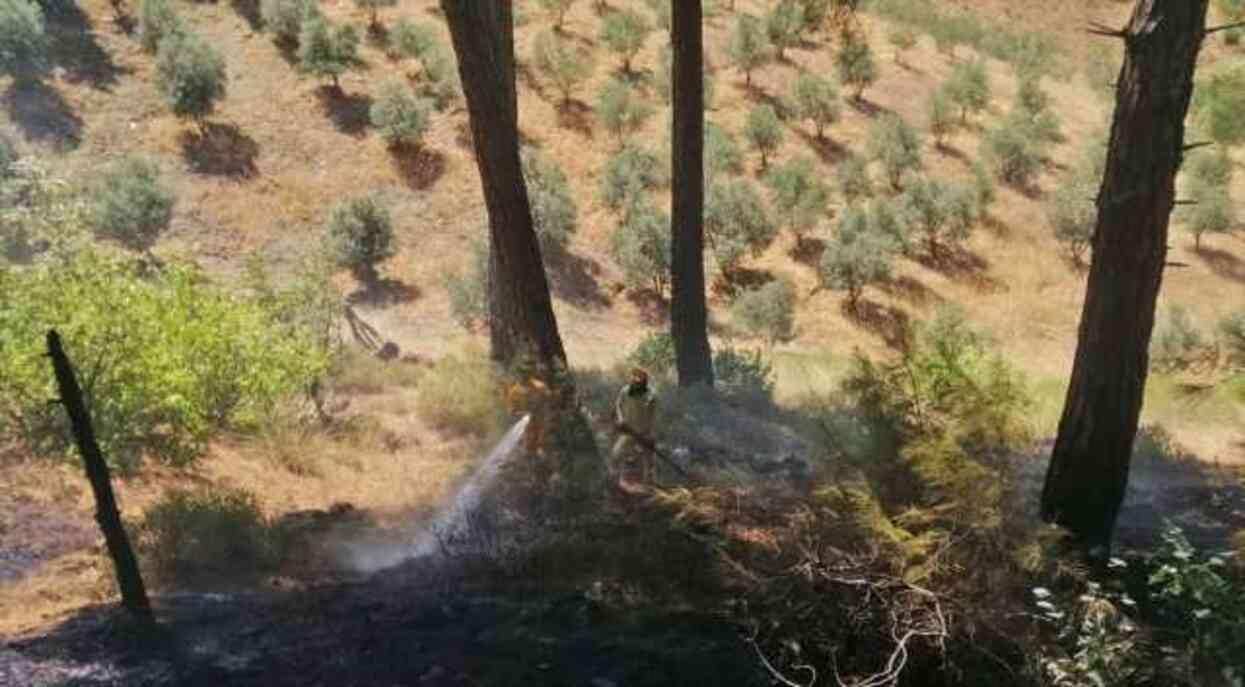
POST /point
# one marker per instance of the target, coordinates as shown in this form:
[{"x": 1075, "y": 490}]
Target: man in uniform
[{"x": 635, "y": 413}]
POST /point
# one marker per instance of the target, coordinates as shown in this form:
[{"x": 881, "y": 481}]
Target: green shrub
[
  {"x": 968, "y": 87},
  {"x": 359, "y": 234},
  {"x": 1213, "y": 212},
  {"x": 190, "y": 74},
  {"x": 814, "y": 13},
  {"x": 1218, "y": 102},
  {"x": 1099, "y": 643},
  {"x": 743, "y": 373},
  {"x": 856, "y": 256},
  {"x": 735, "y": 224},
  {"x": 326, "y": 51},
  {"x": 554, "y": 213},
  {"x": 748, "y": 47},
  {"x": 1013, "y": 153},
  {"x": 556, "y": 9},
  {"x": 855, "y": 64},
  {"x": 941, "y": 117},
  {"x": 458, "y": 395},
  {"x": 983, "y": 186},
  {"x": 946, "y": 213},
  {"x": 903, "y": 39},
  {"x": 763, "y": 131},
  {"x": 411, "y": 39},
  {"x": 440, "y": 76},
  {"x": 888, "y": 221},
  {"x": 783, "y": 25},
  {"x": 1211, "y": 168},
  {"x": 628, "y": 175},
  {"x": 621, "y": 109},
  {"x": 562, "y": 64},
  {"x": 624, "y": 33},
  {"x": 797, "y": 195},
  {"x": 641, "y": 247},
  {"x": 156, "y": 20},
  {"x": 207, "y": 535},
  {"x": 41, "y": 216},
  {"x": 894, "y": 144},
  {"x": 815, "y": 99},
  {"x": 468, "y": 290},
  {"x": 853, "y": 178},
  {"x": 131, "y": 203},
  {"x": 1073, "y": 215},
  {"x": 655, "y": 353},
  {"x": 768, "y": 311},
  {"x": 722, "y": 153},
  {"x": 1232, "y": 332},
  {"x": 171, "y": 358},
  {"x": 401, "y": 116},
  {"x": 1175, "y": 340},
  {"x": 23, "y": 39},
  {"x": 284, "y": 18}
]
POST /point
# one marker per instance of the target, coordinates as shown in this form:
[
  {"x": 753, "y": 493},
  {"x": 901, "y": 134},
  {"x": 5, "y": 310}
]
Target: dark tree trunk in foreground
[
  {"x": 133, "y": 593},
  {"x": 1088, "y": 472},
  {"x": 688, "y": 312}
]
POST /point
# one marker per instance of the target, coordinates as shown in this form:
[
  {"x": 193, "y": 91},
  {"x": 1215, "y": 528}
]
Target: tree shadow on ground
[
  {"x": 42, "y": 115},
  {"x": 463, "y": 137},
  {"x": 739, "y": 280},
  {"x": 1222, "y": 263},
  {"x": 419, "y": 167},
  {"x": 947, "y": 150},
  {"x": 74, "y": 49},
  {"x": 890, "y": 324},
  {"x": 808, "y": 250},
  {"x": 349, "y": 112},
  {"x": 576, "y": 115},
  {"x": 654, "y": 309},
  {"x": 911, "y": 290},
  {"x": 575, "y": 278},
  {"x": 249, "y": 11},
  {"x": 995, "y": 225},
  {"x": 384, "y": 292},
  {"x": 220, "y": 150},
  {"x": 965, "y": 267},
  {"x": 830, "y": 151},
  {"x": 867, "y": 107}
]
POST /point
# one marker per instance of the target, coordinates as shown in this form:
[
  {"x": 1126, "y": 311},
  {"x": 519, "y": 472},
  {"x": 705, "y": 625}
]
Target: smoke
[{"x": 447, "y": 523}]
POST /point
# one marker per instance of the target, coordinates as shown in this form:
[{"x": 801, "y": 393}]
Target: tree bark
[
  {"x": 1088, "y": 472},
  {"x": 130, "y": 581},
  {"x": 688, "y": 311}
]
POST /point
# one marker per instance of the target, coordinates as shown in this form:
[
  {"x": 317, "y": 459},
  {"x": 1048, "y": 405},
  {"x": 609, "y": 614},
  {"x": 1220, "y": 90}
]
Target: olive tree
[
  {"x": 768, "y": 311},
  {"x": 641, "y": 247},
  {"x": 190, "y": 75},
  {"x": 1212, "y": 211},
  {"x": 763, "y": 131},
  {"x": 326, "y": 51},
  {"x": 1072, "y": 215},
  {"x": 282, "y": 18},
  {"x": 896, "y": 146},
  {"x": 855, "y": 64},
  {"x": 400, "y": 115},
  {"x": 748, "y": 47},
  {"x": 621, "y": 109},
  {"x": 853, "y": 178},
  {"x": 359, "y": 234},
  {"x": 722, "y": 153},
  {"x": 783, "y": 25},
  {"x": 941, "y": 116},
  {"x": 815, "y": 98},
  {"x": 23, "y": 39},
  {"x": 131, "y": 203},
  {"x": 624, "y": 33},
  {"x": 968, "y": 87},
  {"x": 855, "y": 256},
  {"x": 554, "y": 213},
  {"x": 797, "y": 195},
  {"x": 557, "y": 10},
  {"x": 565, "y": 66},
  {"x": 629, "y": 174},
  {"x": 736, "y": 224}
]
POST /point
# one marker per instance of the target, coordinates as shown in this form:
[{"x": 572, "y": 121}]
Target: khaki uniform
[
  {"x": 532, "y": 397},
  {"x": 639, "y": 413}
]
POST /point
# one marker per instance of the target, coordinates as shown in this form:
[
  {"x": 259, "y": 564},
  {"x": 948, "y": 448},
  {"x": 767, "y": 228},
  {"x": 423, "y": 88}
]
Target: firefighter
[
  {"x": 530, "y": 395},
  {"x": 635, "y": 412}
]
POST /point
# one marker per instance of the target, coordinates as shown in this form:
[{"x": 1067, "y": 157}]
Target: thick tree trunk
[
  {"x": 1088, "y": 472},
  {"x": 130, "y": 581},
  {"x": 688, "y": 311}
]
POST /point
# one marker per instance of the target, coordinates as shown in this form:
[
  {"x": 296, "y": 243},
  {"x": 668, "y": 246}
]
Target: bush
[
  {"x": 556, "y": 9},
  {"x": 815, "y": 99},
  {"x": 561, "y": 63},
  {"x": 624, "y": 32},
  {"x": 783, "y": 25},
  {"x": 903, "y": 39},
  {"x": 855, "y": 64},
  {"x": 1013, "y": 153},
  {"x": 131, "y": 203},
  {"x": 1212, "y": 168},
  {"x": 468, "y": 290},
  {"x": 742, "y": 373},
  {"x": 1218, "y": 102},
  {"x": 411, "y": 39},
  {"x": 326, "y": 51},
  {"x": 941, "y": 117},
  {"x": 23, "y": 40},
  {"x": 797, "y": 195},
  {"x": 359, "y": 234},
  {"x": 1072, "y": 214},
  {"x": 768, "y": 311},
  {"x": 1175, "y": 340},
  {"x": 895, "y": 145},
  {"x": 855, "y": 257},
  {"x": 888, "y": 221},
  {"x": 854, "y": 181},
  {"x": 156, "y": 20},
  {"x": 554, "y": 213},
  {"x": 628, "y": 175},
  {"x": 620, "y": 108},
  {"x": 655, "y": 353},
  {"x": 983, "y": 186},
  {"x": 763, "y": 131},
  {"x": 968, "y": 87},
  {"x": 1213, "y": 212},
  {"x": 1232, "y": 331},
  {"x": 284, "y": 18},
  {"x": 401, "y": 116},
  {"x": 735, "y": 224},
  {"x": 440, "y": 76},
  {"x": 814, "y": 13},
  {"x": 172, "y": 358},
  {"x": 748, "y": 46},
  {"x": 190, "y": 74},
  {"x": 459, "y": 395},
  {"x": 945, "y": 213},
  {"x": 722, "y": 153},
  {"x": 641, "y": 247},
  {"x": 210, "y": 534}
]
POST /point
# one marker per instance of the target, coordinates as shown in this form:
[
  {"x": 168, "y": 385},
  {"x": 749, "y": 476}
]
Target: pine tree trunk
[
  {"x": 129, "y": 580},
  {"x": 688, "y": 311},
  {"x": 1088, "y": 472}
]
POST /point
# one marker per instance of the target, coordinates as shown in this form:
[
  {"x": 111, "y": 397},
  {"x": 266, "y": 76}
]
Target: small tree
[
  {"x": 373, "y": 8},
  {"x": 722, "y": 153},
  {"x": 557, "y": 10},
  {"x": 763, "y": 131},
  {"x": 131, "y": 203},
  {"x": 554, "y": 213},
  {"x": 888, "y": 221},
  {"x": 894, "y": 144},
  {"x": 855, "y": 64},
  {"x": 1174, "y": 340},
  {"x": 23, "y": 40},
  {"x": 1211, "y": 168},
  {"x": 1013, "y": 153},
  {"x": 1072, "y": 214},
  {"x": 813, "y": 13},
  {"x": 854, "y": 181},
  {"x": 441, "y": 76},
  {"x": 983, "y": 185},
  {"x": 621, "y": 109},
  {"x": 628, "y": 175},
  {"x": 1212, "y": 211},
  {"x": 945, "y": 213},
  {"x": 797, "y": 195},
  {"x": 468, "y": 289},
  {"x": 411, "y": 40},
  {"x": 783, "y": 25},
  {"x": 284, "y": 18},
  {"x": 562, "y": 64},
  {"x": 855, "y": 257},
  {"x": 157, "y": 19},
  {"x": 768, "y": 311},
  {"x": 941, "y": 116},
  {"x": 625, "y": 32},
  {"x": 903, "y": 39},
  {"x": 360, "y": 235},
  {"x": 1218, "y": 102},
  {"x": 968, "y": 87},
  {"x": 815, "y": 98},
  {"x": 735, "y": 224},
  {"x": 641, "y": 247},
  {"x": 748, "y": 46},
  {"x": 190, "y": 74},
  {"x": 401, "y": 116},
  {"x": 325, "y": 51}
]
